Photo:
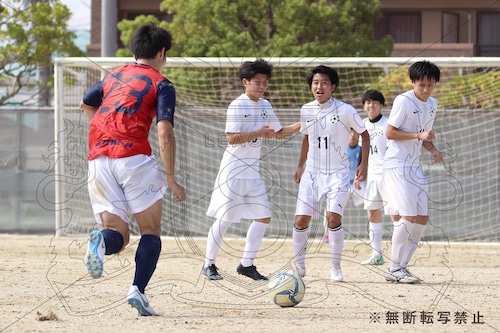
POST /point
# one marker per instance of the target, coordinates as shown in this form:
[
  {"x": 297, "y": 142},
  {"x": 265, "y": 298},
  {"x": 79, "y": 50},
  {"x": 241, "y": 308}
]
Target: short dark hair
[
  {"x": 373, "y": 95},
  {"x": 424, "y": 68},
  {"x": 149, "y": 39},
  {"x": 249, "y": 69},
  {"x": 332, "y": 74}
]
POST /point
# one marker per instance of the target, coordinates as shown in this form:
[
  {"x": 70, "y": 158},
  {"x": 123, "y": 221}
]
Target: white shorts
[
  {"x": 315, "y": 186},
  {"x": 234, "y": 199},
  {"x": 373, "y": 196},
  {"x": 405, "y": 191},
  {"x": 124, "y": 185}
]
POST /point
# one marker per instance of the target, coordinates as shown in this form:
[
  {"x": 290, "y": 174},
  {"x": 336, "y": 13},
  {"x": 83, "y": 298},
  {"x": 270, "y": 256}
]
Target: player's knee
[
  {"x": 113, "y": 240},
  {"x": 334, "y": 220},
  {"x": 421, "y": 219},
  {"x": 265, "y": 220},
  {"x": 333, "y": 224},
  {"x": 302, "y": 222}
]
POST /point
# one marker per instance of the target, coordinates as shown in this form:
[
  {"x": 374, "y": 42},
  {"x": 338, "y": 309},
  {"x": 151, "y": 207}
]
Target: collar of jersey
[
  {"x": 377, "y": 118},
  {"x": 325, "y": 105}
]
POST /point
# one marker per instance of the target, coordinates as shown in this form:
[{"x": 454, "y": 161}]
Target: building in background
[
  {"x": 426, "y": 28},
  {"x": 127, "y": 9},
  {"x": 445, "y": 28}
]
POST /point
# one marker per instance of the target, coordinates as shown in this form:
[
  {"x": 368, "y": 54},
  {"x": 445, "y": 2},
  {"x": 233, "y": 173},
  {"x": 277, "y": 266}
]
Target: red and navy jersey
[{"x": 128, "y": 99}]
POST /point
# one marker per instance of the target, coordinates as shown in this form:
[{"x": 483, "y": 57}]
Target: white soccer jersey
[
  {"x": 378, "y": 146},
  {"x": 409, "y": 114},
  {"x": 329, "y": 126},
  {"x": 245, "y": 115}
]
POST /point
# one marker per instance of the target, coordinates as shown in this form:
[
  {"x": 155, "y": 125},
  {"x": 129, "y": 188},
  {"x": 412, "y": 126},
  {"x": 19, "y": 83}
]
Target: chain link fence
[{"x": 26, "y": 165}]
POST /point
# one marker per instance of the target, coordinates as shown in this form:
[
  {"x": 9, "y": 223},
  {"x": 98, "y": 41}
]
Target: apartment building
[{"x": 441, "y": 28}]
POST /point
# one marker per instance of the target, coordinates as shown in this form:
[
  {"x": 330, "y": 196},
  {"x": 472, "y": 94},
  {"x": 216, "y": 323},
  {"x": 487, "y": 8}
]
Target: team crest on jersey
[
  {"x": 263, "y": 114},
  {"x": 334, "y": 119},
  {"x": 379, "y": 132},
  {"x": 432, "y": 112}
]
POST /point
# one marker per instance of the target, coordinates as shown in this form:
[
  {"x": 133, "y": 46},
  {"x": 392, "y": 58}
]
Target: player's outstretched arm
[{"x": 287, "y": 131}]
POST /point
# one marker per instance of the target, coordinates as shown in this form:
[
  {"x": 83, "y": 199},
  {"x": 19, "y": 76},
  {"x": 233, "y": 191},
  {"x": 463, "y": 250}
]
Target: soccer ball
[{"x": 287, "y": 289}]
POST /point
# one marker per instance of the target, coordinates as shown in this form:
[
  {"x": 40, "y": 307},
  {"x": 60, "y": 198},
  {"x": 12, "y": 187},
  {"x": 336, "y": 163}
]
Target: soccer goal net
[{"x": 464, "y": 189}]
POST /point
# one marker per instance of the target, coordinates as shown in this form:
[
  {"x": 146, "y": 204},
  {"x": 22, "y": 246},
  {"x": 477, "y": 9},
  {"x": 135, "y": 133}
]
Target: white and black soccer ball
[{"x": 286, "y": 289}]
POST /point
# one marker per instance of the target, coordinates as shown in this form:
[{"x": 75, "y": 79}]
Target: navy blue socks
[
  {"x": 146, "y": 257},
  {"x": 113, "y": 241}
]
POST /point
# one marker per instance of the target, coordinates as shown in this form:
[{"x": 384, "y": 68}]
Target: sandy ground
[{"x": 45, "y": 288}]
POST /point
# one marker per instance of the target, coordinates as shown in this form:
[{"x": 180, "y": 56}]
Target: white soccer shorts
[
  {"x": 234, "y": 199},
  {"x": 373, "y": 196},
  {"x": 124, "y": 185},
  {"x": 316, "y": 186},
  {"x": 405, "y": 191}
]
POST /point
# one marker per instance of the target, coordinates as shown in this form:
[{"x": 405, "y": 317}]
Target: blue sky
[
  {"x": 79, "y": 21},
  {"x": 80, "y": 18}
]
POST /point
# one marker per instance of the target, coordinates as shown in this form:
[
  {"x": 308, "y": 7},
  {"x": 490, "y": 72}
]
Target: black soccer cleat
[
  {"x": 211, "y": 272},
  {"x": 251, "y": 272}
]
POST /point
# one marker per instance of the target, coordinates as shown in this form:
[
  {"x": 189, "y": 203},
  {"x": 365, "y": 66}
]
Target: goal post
[{"x": 464, "y": 190}]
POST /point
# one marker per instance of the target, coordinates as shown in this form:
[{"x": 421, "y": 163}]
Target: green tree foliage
[
  {"x": 127, "y": 28},
  {"x": 473, "y": 90},
  {"x": 28, "y": 40},
  {"x": 276, "y": 28},
  {"x": 270, "y": 28}
]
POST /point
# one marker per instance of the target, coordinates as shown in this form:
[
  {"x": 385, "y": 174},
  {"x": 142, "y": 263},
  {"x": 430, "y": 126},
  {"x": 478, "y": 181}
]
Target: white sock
[
  {"x": 375, "y": 231},
  {"x": 400, "y": 237},
  {"x": 336, "y": 240},
  {"x": 299, "y": 238},
  {"x": 416, "y": 233},
  {"x": 255, "y": 234},
  {"x": 214, "y": 240}
]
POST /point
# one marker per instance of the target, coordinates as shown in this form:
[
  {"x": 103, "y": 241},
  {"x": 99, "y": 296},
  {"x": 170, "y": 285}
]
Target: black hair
[
  {"x": 249, "y": 69},
  {"x": 424, "y": 68},
  {"x": 332, "y": 74},
  {"x": 373, "y": 95},
  {"x": 148, "y": 40}
]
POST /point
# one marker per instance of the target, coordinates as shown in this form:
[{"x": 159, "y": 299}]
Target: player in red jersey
[{"x": 124, "y": 176}]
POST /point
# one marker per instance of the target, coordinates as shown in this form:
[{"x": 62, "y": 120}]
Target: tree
[
  {"x": 271, "y": 28},
  {"x": 127, "y": 28},
  {"x": 29, "y": 39},
  {"x": 293, "y": 28}
]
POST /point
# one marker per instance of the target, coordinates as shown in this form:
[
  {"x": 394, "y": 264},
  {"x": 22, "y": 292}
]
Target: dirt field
[{"x": 45, "y": 289}]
